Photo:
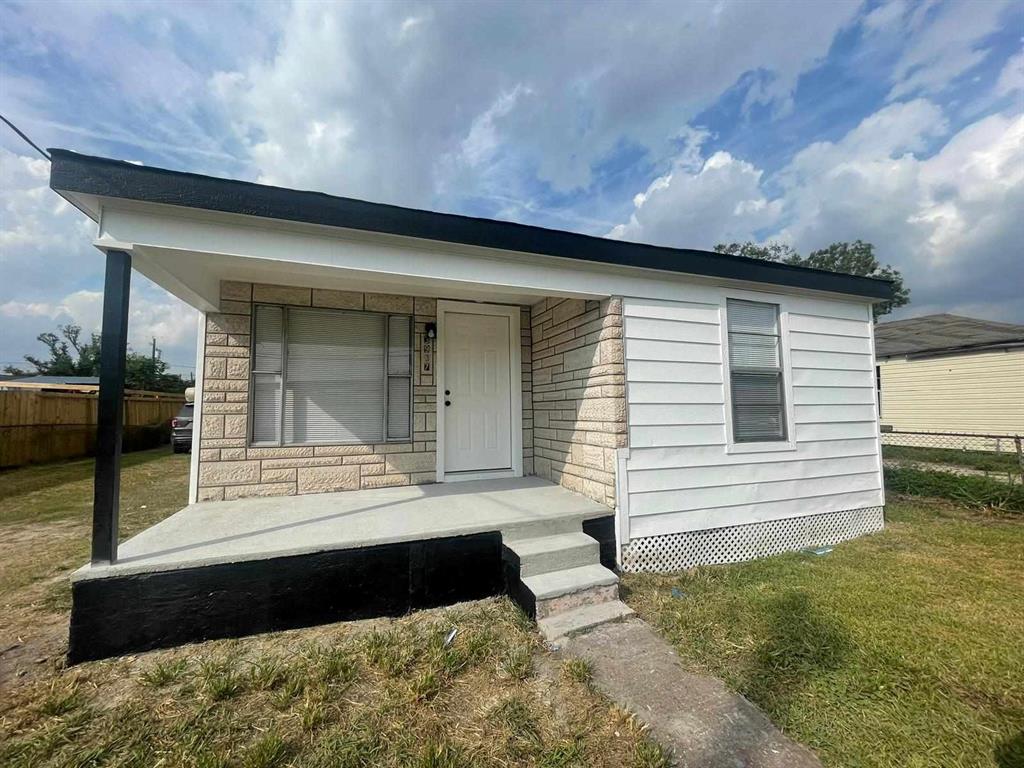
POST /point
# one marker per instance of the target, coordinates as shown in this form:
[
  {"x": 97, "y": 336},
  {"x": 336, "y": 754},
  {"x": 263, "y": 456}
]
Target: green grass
[
  {"x": 970, "y": 490},
  {"x": 987, "y": 461},
  {"x": 898, "y": 649},
  {"x": 381, "y": 693}
]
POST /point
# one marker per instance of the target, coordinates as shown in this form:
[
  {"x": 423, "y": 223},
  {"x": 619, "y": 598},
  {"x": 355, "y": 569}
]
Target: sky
[{"x": 683, "y": 124}]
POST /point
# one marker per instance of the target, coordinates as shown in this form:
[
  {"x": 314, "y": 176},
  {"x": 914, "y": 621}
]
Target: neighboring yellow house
[{"x": 945, "y": 373}]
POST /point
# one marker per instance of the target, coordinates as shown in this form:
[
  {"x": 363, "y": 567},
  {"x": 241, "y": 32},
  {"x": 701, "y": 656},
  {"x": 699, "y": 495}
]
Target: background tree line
[
  {"x": 856, "y": 258},
  {"x": 72, "y": 355}
]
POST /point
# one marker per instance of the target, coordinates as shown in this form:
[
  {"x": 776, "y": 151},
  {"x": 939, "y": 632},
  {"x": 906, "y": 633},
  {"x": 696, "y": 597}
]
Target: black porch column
[{"x": 110, "y": 416}]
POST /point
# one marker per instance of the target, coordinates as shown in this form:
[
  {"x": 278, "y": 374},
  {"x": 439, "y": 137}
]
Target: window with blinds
[
  {"x": 755, "y": 372},
  {"x": 323, "y": 376}
]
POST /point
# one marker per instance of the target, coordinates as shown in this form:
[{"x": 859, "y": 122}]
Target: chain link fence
[{"x": 974, "y": 469}]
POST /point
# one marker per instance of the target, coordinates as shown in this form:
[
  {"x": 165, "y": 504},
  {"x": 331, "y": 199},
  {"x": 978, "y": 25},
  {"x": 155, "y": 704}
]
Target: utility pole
[{"x": 155, "y": 352}]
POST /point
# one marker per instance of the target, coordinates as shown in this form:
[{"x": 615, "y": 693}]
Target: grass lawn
[
  {"x": 371, "y": 693},
  {"x": 898, "y": 649},
  {"x": 986, "y": 461}
]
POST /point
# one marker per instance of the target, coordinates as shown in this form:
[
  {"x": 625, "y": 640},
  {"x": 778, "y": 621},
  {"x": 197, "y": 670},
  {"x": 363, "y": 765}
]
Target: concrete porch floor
[{"x": 216, "y": 532}]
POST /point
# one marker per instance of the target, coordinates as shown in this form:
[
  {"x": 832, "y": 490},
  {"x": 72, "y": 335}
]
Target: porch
[{"x": 230, "y": 568}]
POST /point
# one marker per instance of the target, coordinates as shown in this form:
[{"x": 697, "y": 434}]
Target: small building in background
[{"x": 946, "y": 373}]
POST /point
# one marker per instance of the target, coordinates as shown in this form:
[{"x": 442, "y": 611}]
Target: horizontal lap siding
[
  {"x": 679, "y": 474},
  {"x": 981, "y": 392}
]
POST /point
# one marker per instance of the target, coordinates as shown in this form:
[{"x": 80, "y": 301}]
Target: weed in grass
[
  {"x": 389, "y": 651},
  {"x": 650, "y": 754},
  {"x": 426, "y": 685},
  {"x": 578, "y": 670},
  {"x": 517, "y": 661},
  {"x": 209, "y": 760},
  {"x": 978, "y": 492},
  {"x": 443, "y": 755},
  {"x": 334, "y": 665},
  {"x": 569, "y": 753},
  {"x": 314, "y": 710},
  {"x": 164, "y": 673},
  {"x": 269, "y": 751},
  {"x": 267, "y": 674},
  {"x": 515, "y": 718},
  {"x": 220, "y": 681},
  {"x": 289, "y": 689},
  {"x": 60, "y": 701}
]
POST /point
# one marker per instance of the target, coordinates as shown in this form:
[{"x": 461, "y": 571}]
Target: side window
[{"x": 755, "y": 372}]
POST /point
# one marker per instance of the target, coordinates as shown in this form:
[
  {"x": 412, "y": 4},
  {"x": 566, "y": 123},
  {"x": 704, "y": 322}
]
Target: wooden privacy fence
[{"x": 46, "y": 422}]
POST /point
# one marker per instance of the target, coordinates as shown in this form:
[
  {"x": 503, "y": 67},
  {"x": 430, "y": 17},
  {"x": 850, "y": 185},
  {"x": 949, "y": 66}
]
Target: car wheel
[{"x": 178, "y": 447}]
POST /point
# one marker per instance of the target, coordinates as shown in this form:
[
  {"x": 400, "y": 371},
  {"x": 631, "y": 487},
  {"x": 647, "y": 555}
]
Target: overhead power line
[{"x": 21, "y": 133}]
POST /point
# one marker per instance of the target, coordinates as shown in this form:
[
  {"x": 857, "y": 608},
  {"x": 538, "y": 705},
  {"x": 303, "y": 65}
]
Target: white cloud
[
  {"x": 45, "y": 250},
  {"x": 700, "y": 203},
  {"x": 950, "y": 221},
  {"x": 386, "y": 111},
  {"x": 1011, "y": 79},
  {"x": 937, "y": 42}
]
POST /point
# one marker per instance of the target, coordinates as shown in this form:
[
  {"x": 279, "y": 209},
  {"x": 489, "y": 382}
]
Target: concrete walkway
[{"x": 704, "y": 724}]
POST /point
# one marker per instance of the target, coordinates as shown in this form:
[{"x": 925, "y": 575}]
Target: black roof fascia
[{"x": 85, "y": 174}]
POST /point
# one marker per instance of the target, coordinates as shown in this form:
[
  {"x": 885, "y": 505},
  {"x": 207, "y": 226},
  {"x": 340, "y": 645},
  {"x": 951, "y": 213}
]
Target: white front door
[{"x": 477, "y": 393}]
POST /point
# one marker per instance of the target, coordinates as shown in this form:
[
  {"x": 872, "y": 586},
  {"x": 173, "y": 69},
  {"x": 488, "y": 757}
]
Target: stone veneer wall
[
  {"x": 579, "y": 394},
  {"x": 230, "y": 469}
]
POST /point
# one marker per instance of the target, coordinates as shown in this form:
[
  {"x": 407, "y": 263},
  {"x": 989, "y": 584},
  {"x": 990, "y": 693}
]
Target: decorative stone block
[
  {"x": 342, "y": 450},
  {"x": 259, "y": 489},
  {"x": 235, "y": 426},
  {"x": 229, "y": 473},
  {"x": 386, "y": 302},
  {"x": 232, "y": 454},
  {"x": 327, "y": 479},
  {"x": 212, "y": 426},
  {"x": 281, "y": 294},
  {"x": 235, "y": 307},
  {"x": 224, "y": 407},
  {"x": 210, "y": 493},
  {"x": 426, "y": 307},
  {"x": 278, "y": 475},
  {"x": 295, "y": 452},
  {"x": 337, "y": 299},
  {"x": 218, "y": 323},
  {"x": 216, "y": 368},
  {"x": 235, "y": 291},
  {"x": 237, "y": 367},
  {"x": 409, "y": 462}
]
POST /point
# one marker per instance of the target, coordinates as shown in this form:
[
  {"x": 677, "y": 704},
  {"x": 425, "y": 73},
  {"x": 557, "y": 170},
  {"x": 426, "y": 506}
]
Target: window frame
[
  {"x": 786, "y": 372},
  {"x": 285, "y": 309}
]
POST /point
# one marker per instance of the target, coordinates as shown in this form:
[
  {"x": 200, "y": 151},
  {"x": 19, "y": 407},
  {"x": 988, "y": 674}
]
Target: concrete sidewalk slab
[{"x": 704, "y": 723}]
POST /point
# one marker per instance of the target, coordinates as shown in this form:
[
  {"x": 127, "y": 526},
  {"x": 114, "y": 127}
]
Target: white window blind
[
  {"x": 755, "y": 372},
  {"x": 323, "y": 377}
]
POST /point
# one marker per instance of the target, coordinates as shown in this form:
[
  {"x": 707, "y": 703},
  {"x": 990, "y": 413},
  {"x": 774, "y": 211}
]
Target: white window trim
[
  {"x": 515, "y": 383},
  {"x": 250, "y": 443},
  {"x": 789, "y": 444}
]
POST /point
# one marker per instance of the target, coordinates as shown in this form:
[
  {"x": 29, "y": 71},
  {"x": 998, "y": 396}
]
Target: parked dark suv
[{"x": 181, "y": 429}]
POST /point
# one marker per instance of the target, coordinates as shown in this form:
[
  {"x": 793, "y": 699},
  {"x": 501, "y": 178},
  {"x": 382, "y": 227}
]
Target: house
[
  {"x": 951, "y": 374},
  {"x": 400, "y": 408}
]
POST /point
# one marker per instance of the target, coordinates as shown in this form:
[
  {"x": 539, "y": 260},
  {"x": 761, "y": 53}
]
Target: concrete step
[
  {"x": 545, "y": 554},
  {"x": 571, "y": 588},
  {"x": 583, "y": 619},
  {"x": 533, "y": 529}
]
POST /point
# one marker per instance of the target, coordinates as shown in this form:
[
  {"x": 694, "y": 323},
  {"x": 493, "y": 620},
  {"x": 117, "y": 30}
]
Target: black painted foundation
[{"x": 126, "y": 614}]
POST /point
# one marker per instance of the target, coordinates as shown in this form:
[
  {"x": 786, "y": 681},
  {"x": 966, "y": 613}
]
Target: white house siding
[
  {"x": 981, "y": 392},
  {"x": 680, "y": 474}
]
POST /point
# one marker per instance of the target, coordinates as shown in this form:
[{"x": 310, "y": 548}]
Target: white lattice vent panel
[{"x": 736, "y": 543}]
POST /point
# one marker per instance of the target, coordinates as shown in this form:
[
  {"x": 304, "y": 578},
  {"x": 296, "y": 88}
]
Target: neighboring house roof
[
  {"x": 71, "y": 172},
  {"x": 56, "y": 379},
  {"x": 943, "y": 334}
]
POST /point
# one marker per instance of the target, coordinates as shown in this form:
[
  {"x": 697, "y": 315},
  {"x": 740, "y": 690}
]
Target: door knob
[
  {"x": 447, "y": 403},
  {"x": 447, "y": 391}
]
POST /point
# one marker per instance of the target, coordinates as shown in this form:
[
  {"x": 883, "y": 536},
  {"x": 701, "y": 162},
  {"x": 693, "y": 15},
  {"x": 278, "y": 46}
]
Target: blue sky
[{"x": 685, "y": 124}]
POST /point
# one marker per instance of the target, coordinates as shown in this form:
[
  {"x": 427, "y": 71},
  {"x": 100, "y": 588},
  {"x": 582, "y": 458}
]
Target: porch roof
[
  {"x": 83, "y": 179},
  {"x": 216, "y": 532}
]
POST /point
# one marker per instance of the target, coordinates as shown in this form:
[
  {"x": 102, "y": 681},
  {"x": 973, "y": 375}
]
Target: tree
[
  {"x": 856, "y": 258},
  {"x": 70, "y": 355}
]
